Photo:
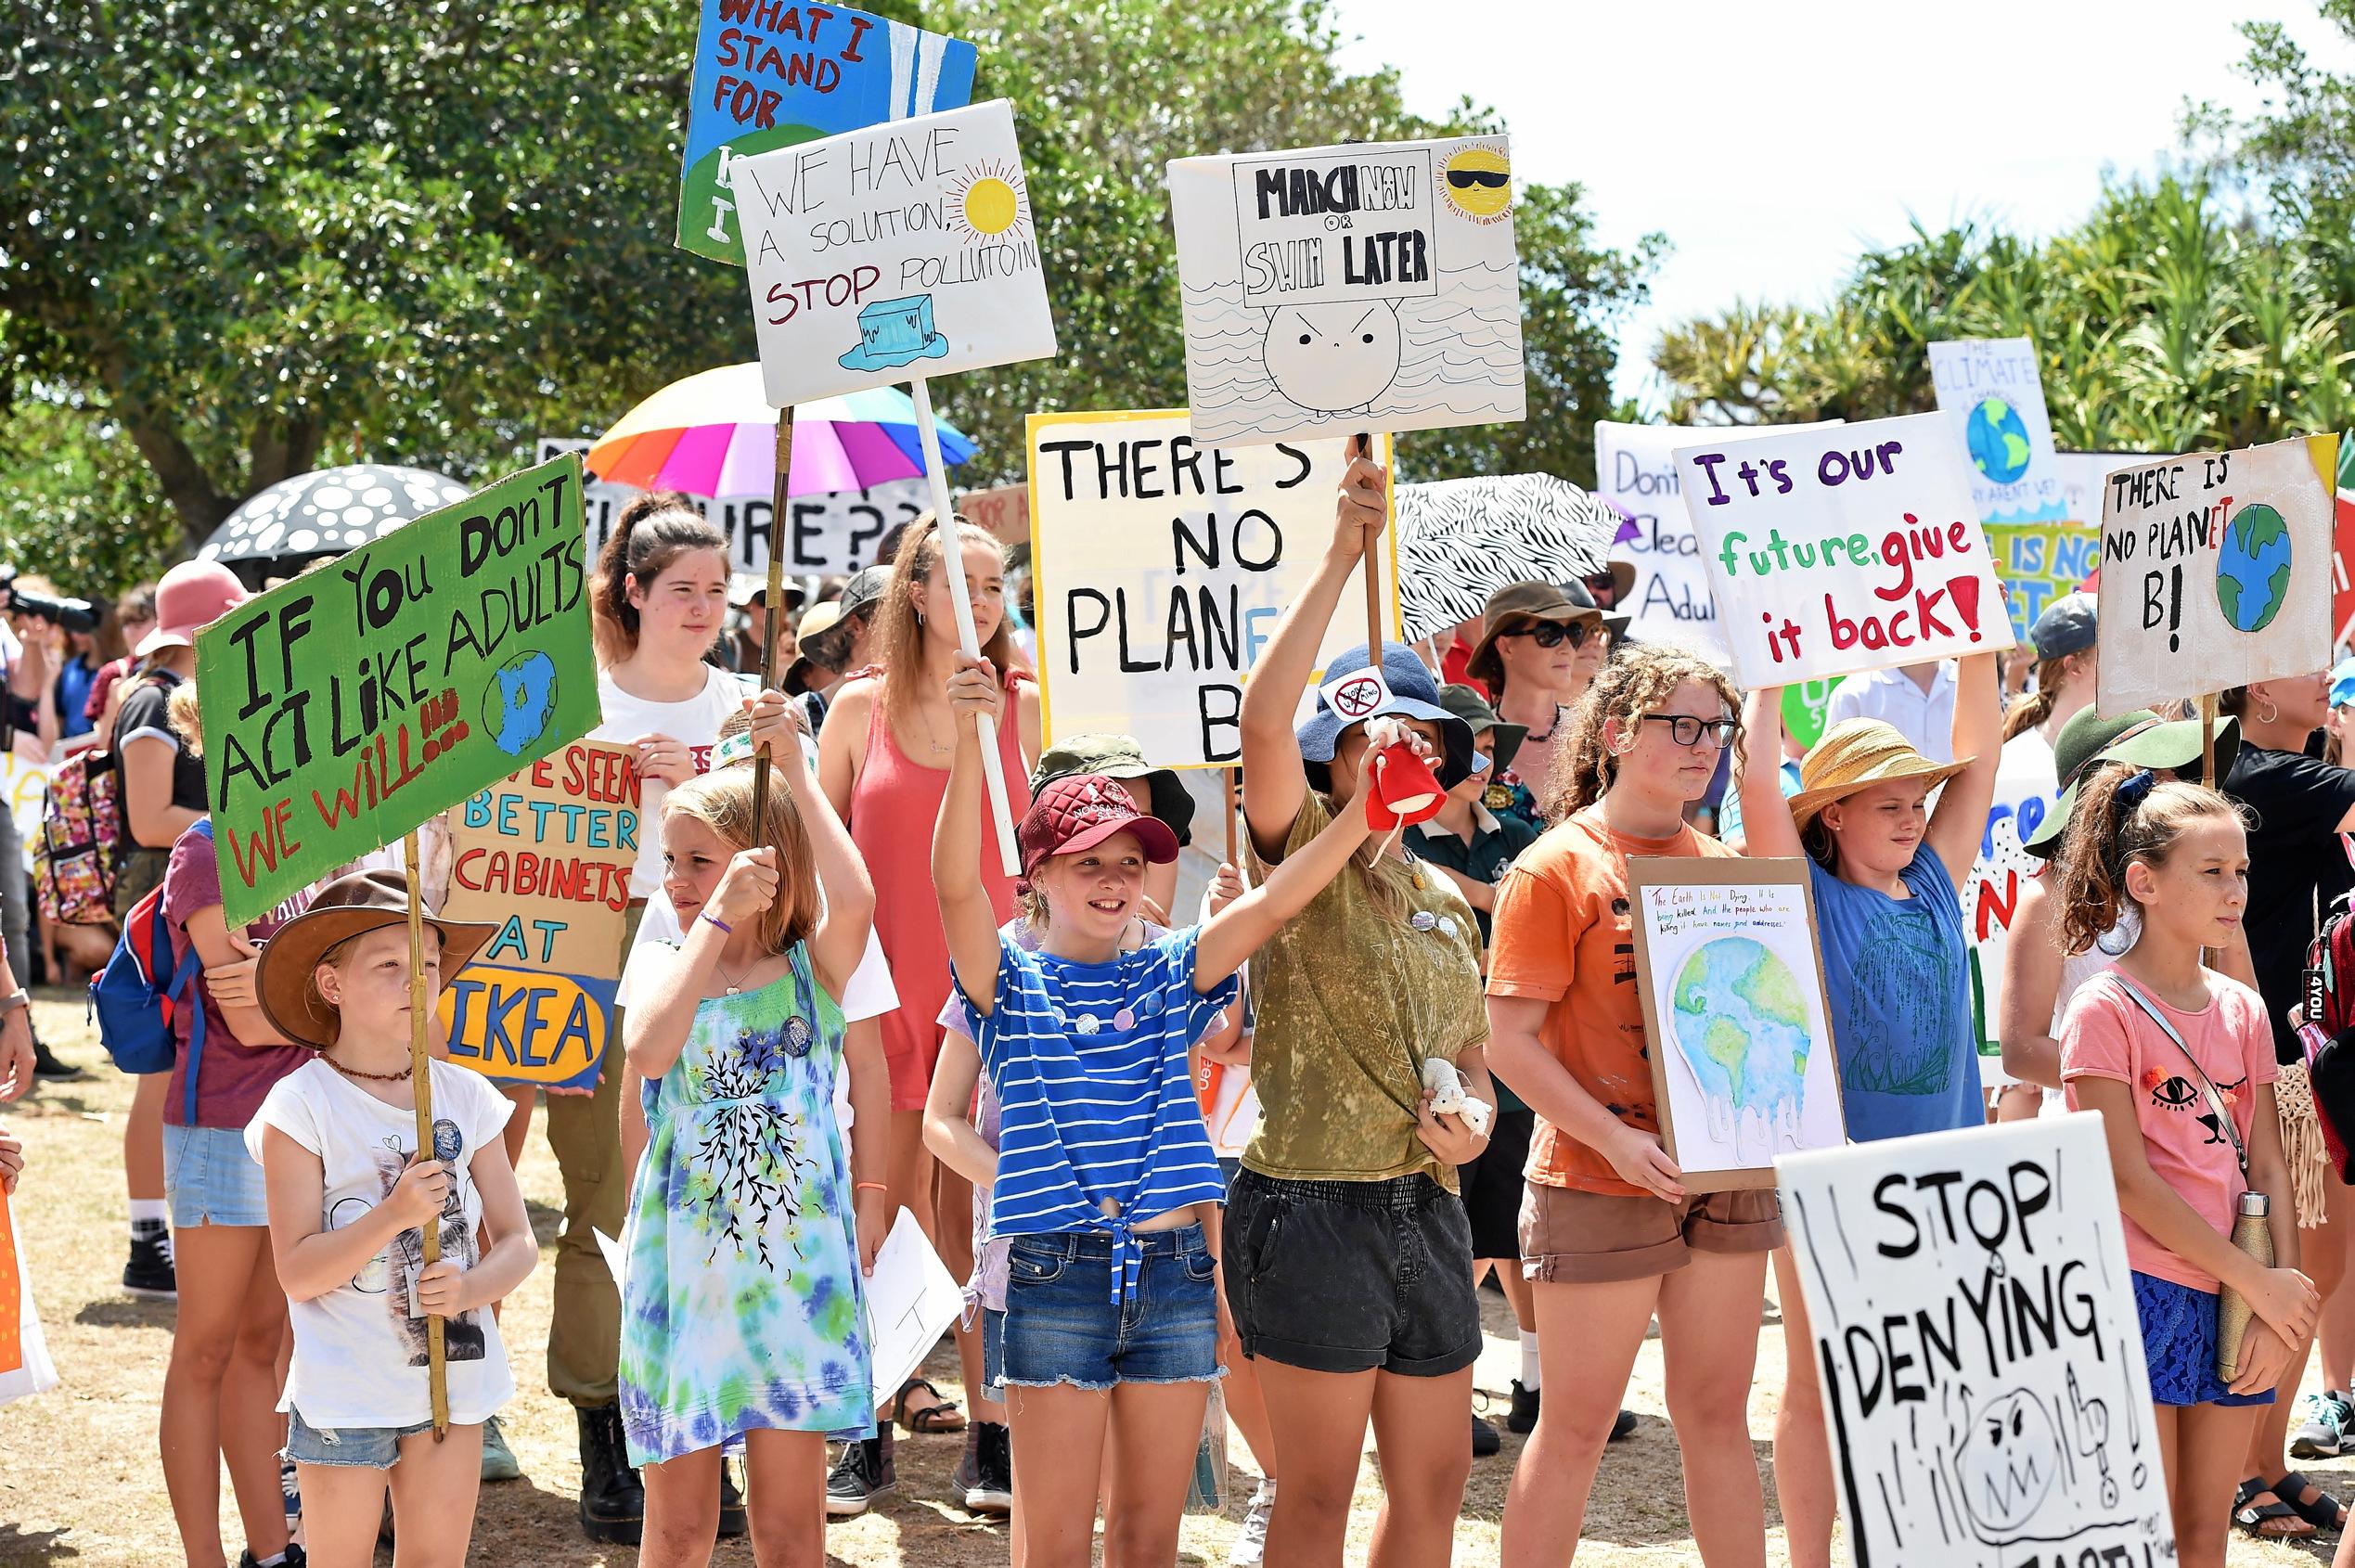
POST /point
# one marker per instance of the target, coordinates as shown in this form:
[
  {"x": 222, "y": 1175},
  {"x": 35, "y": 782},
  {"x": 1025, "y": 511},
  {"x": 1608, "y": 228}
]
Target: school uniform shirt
[
  {"x": 1495, "y": 841},
  {"x": 694, "y": 723},
  {"x": 2297, "y": 864},
  {"x": 1924, "y": 718},
  {"x": 359, "y": 1356},
  {"x": 2106, "y": 1036},
  {"x": 1898, "y": 974}
]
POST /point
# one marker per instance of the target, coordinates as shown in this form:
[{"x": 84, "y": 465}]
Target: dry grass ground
[{"x": 80, "y": 1484}]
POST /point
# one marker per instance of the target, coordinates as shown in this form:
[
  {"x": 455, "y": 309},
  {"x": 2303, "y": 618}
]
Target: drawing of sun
[
  {"x": 990, "y": 201},
  {"x": 1478, "y": 184}
]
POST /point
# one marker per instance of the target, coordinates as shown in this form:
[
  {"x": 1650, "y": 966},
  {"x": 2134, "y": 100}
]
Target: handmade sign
[
  {"x": 1160, "y": 569},
  {"x": 25, "y": 1367},
  {"x": 2343, "y": 544},
  {"x": 546, "y": 857},
  {"x": 1002, "y": 512},
  {"x": 2041, "y": 561},
  {"x": 2216, "y": 572},
  {"x": 2027, "y": 792},
  {"x": 343, "y": 709},
  {"x": 1339, "y": 289},
  {"x": 1840, "y": 550},
  {"x": 1806, "y": 709},
  {"x": 1992, "y": 396},
  {"x": 1977, "y": 1346},
  {"x": 904, "y": 251},
  {"x": 1743, "y": 1066},
  {"x": 769, "y": 73}
]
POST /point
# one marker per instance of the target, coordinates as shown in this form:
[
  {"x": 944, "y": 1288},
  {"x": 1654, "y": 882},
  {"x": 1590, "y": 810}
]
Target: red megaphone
[{"x": 1405, "y": 790}]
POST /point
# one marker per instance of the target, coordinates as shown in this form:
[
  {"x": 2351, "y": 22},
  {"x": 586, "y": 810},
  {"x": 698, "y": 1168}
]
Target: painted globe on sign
[
  {"x": 518, "y": 703},
  {"x": 2253, "y": 567},
  {"x": 1998, "y": 441}
]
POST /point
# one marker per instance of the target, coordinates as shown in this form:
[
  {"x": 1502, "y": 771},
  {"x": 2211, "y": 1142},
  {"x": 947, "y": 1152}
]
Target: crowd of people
[{"x": 836, "y": 1004}]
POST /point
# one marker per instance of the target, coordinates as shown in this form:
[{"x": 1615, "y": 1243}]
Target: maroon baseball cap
[{"x": 1083, "y": 810}]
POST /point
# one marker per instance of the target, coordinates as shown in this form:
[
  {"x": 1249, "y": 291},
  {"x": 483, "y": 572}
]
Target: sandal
[
  {"x": 2313, "y": 1504},
  {"x": 2275, "y": 1520},
  {"x": 936, "y": 1418}
]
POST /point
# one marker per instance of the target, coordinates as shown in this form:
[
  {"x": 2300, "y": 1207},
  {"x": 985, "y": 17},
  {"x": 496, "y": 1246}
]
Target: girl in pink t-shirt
[{"x": 2178, "y": 1060}]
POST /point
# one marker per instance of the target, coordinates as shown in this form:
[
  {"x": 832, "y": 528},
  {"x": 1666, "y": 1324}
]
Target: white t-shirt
[
  {"x": 359, "y": 1358},
  {"x": 694, "y": 723}
]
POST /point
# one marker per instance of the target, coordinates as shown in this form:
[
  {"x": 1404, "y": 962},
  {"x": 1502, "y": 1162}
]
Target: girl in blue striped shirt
[{"x": 1104, "y": 1171}]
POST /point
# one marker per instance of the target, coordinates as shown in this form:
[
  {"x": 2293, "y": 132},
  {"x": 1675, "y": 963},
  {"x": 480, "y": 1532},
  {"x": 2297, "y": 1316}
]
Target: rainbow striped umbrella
[{"x": 714, "y": 435}]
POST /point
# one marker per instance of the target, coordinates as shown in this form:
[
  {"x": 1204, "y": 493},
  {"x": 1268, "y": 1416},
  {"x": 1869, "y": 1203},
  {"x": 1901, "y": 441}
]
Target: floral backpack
[{"x": 74, "y": 857}]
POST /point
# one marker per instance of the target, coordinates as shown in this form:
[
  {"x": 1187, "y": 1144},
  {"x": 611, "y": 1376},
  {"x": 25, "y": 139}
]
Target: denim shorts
[
  {"x": 1063, "y": 1327},
  {"x": 992, "y": 1336},
  {"x": 210, "y": 1179},
  {"x": 355, "y": 1448}
]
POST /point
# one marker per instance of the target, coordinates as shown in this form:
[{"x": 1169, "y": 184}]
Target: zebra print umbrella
[{"x": 1460, "y": 540}]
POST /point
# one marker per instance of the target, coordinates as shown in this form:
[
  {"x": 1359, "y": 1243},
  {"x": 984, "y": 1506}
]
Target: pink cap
[{"x": 192, "y": 596}]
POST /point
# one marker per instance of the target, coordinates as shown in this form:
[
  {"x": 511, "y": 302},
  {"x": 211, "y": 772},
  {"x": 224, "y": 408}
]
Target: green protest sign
[{"x": 343, "y": 709}]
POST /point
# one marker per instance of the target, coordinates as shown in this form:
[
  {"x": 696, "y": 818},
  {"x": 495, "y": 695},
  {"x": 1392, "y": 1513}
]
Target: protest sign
[
  {"x": 769, "y": 73},
  {"x": 825, "y": 536},
  {"x": 1807, "y": 711},
  {"x": 1339, "y": 289},
  {"x": 910, "y": 1299},
  {"x": 2027, "y": 792},
  {"x": 2343, "y": 544},
  {"x": 1993, "y": 398},
  {"x": 1978, "y": 1350},
  {"x": 1160, "y": 569},
  {"x": 2041, "y": 561},
  {"x": 344, "y": 708},
  {"x": 1002, "y": 512},
  {"x": 903, "y": 250},
  {"x": 1743, "y": 1066},
  {"x": 25, "y": 1367},
  {"x": 2216, "y": 572},
  {"x": 1842, "y": 550}
]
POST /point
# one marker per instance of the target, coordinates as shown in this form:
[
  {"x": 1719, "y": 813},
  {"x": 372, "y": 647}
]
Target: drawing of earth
[
  {"x": 1741, "y": 1021},
  {"x": 517, "y": 701},
  {"x": 2253, "y": 567},
  {"x": 1998, "y": 441}
]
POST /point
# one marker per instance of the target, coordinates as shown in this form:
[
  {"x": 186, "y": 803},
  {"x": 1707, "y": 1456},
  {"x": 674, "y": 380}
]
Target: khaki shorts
[{"x": 1570, "y": 1237}]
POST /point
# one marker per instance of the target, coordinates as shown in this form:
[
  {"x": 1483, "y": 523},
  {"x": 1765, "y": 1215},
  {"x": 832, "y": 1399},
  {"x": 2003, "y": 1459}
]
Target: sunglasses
[
  {"x": 1686, "y": 730},
  {"x": 1464, "y": 179},
  {"x": 1552, "y": 634}
]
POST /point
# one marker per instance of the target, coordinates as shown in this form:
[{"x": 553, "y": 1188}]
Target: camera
[{"x": 71, "y": 614}]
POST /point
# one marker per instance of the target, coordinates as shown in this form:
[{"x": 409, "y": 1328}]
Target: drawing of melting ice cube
[{"x": 895, "y": 332}]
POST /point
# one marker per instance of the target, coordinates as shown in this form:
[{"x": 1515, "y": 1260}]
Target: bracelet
[
  {"x": 13, "y": 1000},
  {"x": 717, "y": 922},
  {"x": 864, "y": 1186}
]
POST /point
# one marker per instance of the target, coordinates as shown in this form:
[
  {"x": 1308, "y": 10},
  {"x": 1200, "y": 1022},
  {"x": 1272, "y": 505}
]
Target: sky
[{"x": 1773, "y": 143}]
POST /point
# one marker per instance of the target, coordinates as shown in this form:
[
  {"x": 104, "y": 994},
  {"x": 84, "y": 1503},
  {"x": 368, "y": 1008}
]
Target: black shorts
[
  {"x": 1351, "y": 1275},
  {"x": 1491, "y": 1186}
]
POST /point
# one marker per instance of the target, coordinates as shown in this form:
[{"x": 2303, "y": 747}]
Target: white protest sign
[
  {"x": 902, "y": 249},
  {"x": 1339, "y": 289},
  {"x": 1991, "y": 394},
  {"x": 2216, "y": 572},
  {"x": 1980, "y": 1358},
  {"x": 25, "y": 1367},
  {"x": 1635, "y": 470},
  {"x": 1160, "y": 567},
  {"x": 1839, "y": 551},
  {"x": 912, "y": 1300},
  {"x": 2027, "y": 792}
]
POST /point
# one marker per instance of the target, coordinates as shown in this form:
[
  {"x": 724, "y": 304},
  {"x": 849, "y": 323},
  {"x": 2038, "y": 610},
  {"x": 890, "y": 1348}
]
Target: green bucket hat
[
  {"x": 2141, "y": 738},
  {"x": 1504, "y": 740},
  {"x": 1117, "y": 756}
]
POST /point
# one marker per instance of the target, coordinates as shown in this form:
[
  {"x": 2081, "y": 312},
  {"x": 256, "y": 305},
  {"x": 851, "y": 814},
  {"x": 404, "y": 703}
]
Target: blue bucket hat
[{"x": 1413, "y": 695}]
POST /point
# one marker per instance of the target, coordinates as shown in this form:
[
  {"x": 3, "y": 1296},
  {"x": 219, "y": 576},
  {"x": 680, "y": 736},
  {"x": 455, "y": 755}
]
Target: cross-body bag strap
[{"x": 2208, "y": 1085}]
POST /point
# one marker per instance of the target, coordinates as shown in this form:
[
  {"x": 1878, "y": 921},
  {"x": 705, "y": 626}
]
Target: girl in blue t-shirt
[
  {"x": 1104, "y": 1171},
  {"x": 1887, "y": 873}
]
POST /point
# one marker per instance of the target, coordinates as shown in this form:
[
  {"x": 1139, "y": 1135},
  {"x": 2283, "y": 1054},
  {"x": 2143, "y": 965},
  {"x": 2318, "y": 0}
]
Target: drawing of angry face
[
  {"x": 2006, "y": 1463},
  {"x": 1332, "y": 358}
]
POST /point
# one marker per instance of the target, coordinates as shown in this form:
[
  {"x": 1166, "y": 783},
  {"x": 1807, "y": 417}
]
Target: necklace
[
  {"x": 371, "y": 1077},
  {"x": 1551, "y": 725},
  {"x": 735, "y": 984}
]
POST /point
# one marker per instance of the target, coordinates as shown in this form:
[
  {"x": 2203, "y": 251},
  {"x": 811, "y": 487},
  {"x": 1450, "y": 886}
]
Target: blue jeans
[{"x": 1062, "y": 1327}]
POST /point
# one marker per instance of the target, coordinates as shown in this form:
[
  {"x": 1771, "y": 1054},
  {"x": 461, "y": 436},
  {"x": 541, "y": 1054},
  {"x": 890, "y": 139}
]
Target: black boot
[
  {"x": 47, "y": 1068},
  {"x": 613, "y": 1499}
]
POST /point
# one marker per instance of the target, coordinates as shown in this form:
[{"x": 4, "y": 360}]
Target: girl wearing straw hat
[{"x": 1887, "y": 871}]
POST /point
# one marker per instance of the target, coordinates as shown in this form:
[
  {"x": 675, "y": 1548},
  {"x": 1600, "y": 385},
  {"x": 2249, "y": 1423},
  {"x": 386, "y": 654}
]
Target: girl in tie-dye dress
[{"x": 747, "y": 1237}]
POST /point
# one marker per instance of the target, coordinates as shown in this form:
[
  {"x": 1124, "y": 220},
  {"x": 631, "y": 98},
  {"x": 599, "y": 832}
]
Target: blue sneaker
[{"x": 2323, "y": 1434}]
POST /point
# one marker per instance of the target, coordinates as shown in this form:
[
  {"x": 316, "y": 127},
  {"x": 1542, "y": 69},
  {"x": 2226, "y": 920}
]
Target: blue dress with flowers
[{"x": 740, "y": 1295}]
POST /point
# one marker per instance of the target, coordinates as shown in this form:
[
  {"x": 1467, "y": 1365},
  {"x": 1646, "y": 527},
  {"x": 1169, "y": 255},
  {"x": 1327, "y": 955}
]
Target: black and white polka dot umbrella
[{"x": 328, "y": 511}]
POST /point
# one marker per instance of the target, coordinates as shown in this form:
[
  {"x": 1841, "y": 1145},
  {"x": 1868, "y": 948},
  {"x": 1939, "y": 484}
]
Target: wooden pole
[
  {"x": 1233, "y": 776},
  {"x": 420, "y": 997},
  {"x": 952, "y": 551},
  {"x": 2207, "y": 740},
  {"x": 1374, "y": 618},
  {"x": 773, "y": 607}
]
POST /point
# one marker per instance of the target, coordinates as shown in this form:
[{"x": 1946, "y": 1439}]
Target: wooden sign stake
[
  {"x": 430, "y": 1233},
  {"x": 773, "y": 607},
  {"x": 1374, "y": 572},
  {"x": 2207, "y": 740},
  {"x": 1233, "y": 776}
]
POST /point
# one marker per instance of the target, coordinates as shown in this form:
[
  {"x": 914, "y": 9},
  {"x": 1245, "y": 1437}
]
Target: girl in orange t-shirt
[{"x": 1609, "y": 1236}]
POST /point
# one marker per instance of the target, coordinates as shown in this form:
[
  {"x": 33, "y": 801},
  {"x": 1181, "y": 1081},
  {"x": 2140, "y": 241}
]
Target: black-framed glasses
[
  {"x": 1551, "y": 634},
  {"x": 1686, "y": 730}
]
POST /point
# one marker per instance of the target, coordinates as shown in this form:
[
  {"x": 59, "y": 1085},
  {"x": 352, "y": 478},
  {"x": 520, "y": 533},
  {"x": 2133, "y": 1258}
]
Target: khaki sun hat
[
  {"x": 1856, "y": 755},
  {"x": 1538, "y": 601}
]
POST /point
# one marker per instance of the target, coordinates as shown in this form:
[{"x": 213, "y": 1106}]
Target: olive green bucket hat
[{"x": 2139, "y": 739}]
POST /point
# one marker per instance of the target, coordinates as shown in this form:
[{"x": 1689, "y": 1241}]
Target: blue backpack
[{"x": 134, "y": 996}]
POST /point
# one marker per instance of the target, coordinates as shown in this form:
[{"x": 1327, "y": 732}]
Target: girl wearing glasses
[
  {"x": 1537, "y": 654},
  {"x": 1887, "y": 871},
  {"x": 1609, "y": 1236}
]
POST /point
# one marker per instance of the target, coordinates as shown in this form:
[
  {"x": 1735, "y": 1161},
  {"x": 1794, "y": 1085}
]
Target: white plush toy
[{"x": 1439, "y": 1076}]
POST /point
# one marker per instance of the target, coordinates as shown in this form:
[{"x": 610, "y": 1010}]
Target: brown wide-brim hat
[
  {"x": 1856, "y": 755},
  {"x": 1538, "y": 601},
  {"x": 350, "y": 906}
]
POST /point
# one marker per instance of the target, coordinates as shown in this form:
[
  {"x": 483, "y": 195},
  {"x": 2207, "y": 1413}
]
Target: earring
[{"x": 2272, "y": 711}]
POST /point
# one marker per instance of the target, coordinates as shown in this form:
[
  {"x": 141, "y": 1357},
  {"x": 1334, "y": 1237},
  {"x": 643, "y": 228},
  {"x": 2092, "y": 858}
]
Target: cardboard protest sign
[
  {"x": 1993, "y": 395},
  {"x": 2027, "y": 792},
  {"x": 2216, "y": 572},
  {"x": 906, "y": 250},
  {"x": 344, "y": 708},
  {"x": 825, "y": 536},
  {"x": 2343, "y": 544},
  {"x": 1742, "y": 1065},
  {"x": 770, "y": 73},
  {"x": 1160, "y": 569},
  {"x": 2041, "y": 561},
  {"x": 1339, "y": 289},
  {"x": 1842, "y": 550},
  {"x": 25, "y": 1367},
  {"x": 1976, "y": 1342},
  {"x": 1002, "y": 512},
  {"x": 546, "y": 857}
]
